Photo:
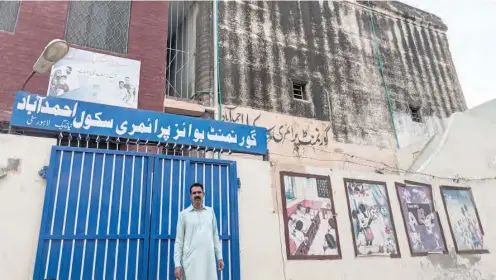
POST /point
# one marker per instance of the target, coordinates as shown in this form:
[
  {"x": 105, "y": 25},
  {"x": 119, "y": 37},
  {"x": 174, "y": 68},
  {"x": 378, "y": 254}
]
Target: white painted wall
[
  {"x": 262, "y": 242},
  {"x": 21, "y": 199},
  {"x": 466, "y": 148}
]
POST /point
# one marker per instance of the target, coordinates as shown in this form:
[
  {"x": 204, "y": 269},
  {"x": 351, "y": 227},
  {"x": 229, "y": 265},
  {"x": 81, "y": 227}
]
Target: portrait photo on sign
[
  {"x": 371, "y": 218},
  {"x": 463, "y": 218},
  {"x": 98, "y": 78},
  {"x": 422, "y": 226},
  {"x": 310, "y": 226}
]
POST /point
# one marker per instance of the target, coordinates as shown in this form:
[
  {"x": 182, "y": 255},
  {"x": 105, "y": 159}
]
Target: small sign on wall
[{"x": 98, "y": 78}]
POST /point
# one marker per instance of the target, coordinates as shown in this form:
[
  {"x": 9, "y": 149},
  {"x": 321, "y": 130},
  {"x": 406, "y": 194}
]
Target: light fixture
[{"x": 53, "y": 52}]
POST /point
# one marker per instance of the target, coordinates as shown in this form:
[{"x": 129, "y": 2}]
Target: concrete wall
[
  {"x": 40, "y": 22},
  {"x": 263, "y": 251},
  {"x": 309, "y": 142},
  {"x": 22, "y": 193},
  {"x": 465, "y": 149},
  {"x": 328, "y": 44}
]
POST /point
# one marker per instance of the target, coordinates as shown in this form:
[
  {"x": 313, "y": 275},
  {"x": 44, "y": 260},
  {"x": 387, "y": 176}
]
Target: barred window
[
  {"x": 102, "y": 25},
  {"x": 9, "y": 11},
  {"x": 299, "y": 91},
  {"x": 415, "y": 113}
]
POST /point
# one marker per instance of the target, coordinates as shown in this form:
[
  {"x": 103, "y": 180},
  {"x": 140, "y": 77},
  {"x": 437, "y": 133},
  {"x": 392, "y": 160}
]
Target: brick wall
[{"x": 40, "y": 22}]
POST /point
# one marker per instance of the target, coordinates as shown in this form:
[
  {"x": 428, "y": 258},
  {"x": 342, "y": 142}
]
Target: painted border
[
  {"x": 429, "y": 187},
  {"x": 469, "y": 190},
  {"x": 349, "y": 180},
  {"x": 285, "y": 218}
]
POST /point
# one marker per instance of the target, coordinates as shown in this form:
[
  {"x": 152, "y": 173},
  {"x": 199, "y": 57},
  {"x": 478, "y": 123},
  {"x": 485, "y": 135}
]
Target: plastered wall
[
  {"x": 263, "y": 251},
  {"x": 22, "y": 192}
]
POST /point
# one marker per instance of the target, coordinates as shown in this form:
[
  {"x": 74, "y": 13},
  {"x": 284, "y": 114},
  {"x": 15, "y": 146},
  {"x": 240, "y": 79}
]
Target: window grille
[
  {"x": 9, "y": 12},
  {"x": 102, "y": 25}
]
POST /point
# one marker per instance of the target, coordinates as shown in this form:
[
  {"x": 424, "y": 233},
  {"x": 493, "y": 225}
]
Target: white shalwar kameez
[{"x": 197, "y": 244}]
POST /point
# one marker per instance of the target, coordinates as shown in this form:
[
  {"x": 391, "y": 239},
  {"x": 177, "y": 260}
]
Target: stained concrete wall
[
  {"x": 22, "y": 193},
  {"x": 306, "y": 141},
  {"x": 262, "y": 241},
  {"x": 328, "y": 45}
]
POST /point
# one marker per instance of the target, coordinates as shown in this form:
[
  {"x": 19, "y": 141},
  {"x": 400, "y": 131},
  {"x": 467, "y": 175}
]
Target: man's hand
[
  {"x": 177, "y": 272},
  {"x": 221, "y": 264}
]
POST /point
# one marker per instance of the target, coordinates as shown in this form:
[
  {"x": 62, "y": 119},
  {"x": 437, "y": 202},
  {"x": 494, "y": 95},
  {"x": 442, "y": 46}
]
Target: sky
[{"x": 472, "y": 38}]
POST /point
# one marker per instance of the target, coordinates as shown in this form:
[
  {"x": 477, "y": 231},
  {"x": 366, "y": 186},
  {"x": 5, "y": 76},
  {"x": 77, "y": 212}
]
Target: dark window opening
[
  {"x": 415, "y": 113},
  {"x": 299, "y": 91}
]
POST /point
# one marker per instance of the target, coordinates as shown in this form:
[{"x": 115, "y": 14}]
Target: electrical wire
[{"x": 385, "y": 166}]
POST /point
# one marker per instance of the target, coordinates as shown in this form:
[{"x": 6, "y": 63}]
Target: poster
[
  {"x": 98, "y": 78},
  {"x": 463, "y": 218},
  {"x": 371, "y": 218},
  {"x": 310, "y": 225},
  {"x": 425, "y": 234}
]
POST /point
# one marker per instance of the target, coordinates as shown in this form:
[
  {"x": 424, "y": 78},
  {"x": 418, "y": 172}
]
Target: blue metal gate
[
  {"x": 172, "y": 179},
  {"x": 112, "y": 214}
]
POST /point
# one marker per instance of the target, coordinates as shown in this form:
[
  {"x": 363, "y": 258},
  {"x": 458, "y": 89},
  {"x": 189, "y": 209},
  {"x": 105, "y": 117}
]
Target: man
[
  {"x": 62, "y": 87},
  {"x": 197, "y": 240}
]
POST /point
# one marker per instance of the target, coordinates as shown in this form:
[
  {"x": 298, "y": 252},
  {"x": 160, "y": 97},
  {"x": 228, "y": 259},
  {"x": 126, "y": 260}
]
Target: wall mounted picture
[
  {"x": 421, "y": 220},
  {"x": 371, "y": 218},
  {"x": 310, "y": 226},
  {"x": 465, "y": 225},
  {"x": 95, "y": 77}
]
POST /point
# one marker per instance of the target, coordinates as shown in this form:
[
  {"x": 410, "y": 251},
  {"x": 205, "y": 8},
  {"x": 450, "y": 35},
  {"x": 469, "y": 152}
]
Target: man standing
[{"x": 197, "y": 240}]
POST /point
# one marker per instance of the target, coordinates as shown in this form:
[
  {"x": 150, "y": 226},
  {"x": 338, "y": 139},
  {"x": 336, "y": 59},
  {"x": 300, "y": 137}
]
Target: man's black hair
[{"x": 195, "y": 185}]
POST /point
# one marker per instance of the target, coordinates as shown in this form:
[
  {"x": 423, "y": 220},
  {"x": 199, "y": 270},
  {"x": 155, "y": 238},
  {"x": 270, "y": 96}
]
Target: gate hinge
[{"x": 239, "y": 182}]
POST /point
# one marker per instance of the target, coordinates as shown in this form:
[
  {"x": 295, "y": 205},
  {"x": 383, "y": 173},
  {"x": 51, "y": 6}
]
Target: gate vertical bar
[
  {"x": 44, "y": 218},
  {"x": 146, "y": 239},
  {"x": 235, "y": 262}
]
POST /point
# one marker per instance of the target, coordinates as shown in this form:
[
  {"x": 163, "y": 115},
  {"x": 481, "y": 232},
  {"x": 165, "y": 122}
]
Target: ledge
[{"x": 183, "y": 107}]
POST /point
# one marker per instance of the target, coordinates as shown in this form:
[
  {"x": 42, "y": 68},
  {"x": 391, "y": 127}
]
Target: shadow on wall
[{"x": 12, "y": 165}]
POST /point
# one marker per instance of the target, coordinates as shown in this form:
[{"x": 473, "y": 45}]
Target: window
[
  {"x": 9, "y": 11},
  {"x": 415, "y": 113},
  {"x": 102, "y": 25},
  {"x": 299, "y": 91}
]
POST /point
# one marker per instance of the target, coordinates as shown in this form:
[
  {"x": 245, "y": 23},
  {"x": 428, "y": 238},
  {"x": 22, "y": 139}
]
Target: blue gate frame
[{"x": 101, "y": 222}]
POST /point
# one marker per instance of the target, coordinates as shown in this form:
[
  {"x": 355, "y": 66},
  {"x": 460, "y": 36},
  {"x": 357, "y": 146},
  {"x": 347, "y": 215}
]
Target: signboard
[
  {"x": 95, "y": 77},
  {"x": 425, "y": 233},
  {"x": 78, "y": 117}
]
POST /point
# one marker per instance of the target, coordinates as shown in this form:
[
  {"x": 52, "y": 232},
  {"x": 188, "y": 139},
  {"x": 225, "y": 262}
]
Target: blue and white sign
[{"x": 78, "y": 117}]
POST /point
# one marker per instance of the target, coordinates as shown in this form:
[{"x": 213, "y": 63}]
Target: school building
[{"x": 316, "y": 165}]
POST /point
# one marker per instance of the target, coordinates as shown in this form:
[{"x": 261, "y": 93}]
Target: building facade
[
  {"x": 135, "y": 30},
  {"x": 334, "y": 62}
]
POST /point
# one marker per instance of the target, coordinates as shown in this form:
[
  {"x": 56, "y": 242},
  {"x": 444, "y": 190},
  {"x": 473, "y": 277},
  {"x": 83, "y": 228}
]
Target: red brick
[{"x": 42, "y": 21}]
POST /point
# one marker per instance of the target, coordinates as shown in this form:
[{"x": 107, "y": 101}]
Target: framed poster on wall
[
  {"x": 420, "y": 218},
  {"x": 463, "y": 218},
  {"x": 95, "y": 77},
  {"x": 310, "y": 229},
  {"x": 371, "y": 218}
]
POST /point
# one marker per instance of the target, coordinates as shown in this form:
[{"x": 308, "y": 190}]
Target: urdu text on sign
[{"x": 65, "y": 115}]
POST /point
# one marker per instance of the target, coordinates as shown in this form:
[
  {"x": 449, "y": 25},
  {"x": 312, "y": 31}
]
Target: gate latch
[{"x": 43, "y": 172}]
